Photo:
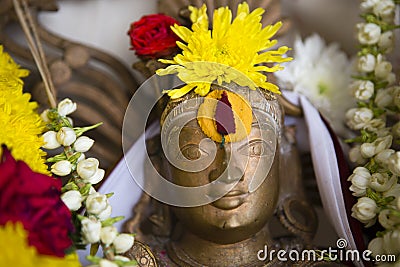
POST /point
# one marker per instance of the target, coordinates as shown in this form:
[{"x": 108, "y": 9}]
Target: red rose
[
  {"x": 152, "y": 37},
  {"x": 34, "y": 200}
]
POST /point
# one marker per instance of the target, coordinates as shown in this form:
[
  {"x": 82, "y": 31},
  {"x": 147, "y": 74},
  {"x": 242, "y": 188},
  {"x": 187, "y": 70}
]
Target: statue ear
[{"x": 294, "y": 212}]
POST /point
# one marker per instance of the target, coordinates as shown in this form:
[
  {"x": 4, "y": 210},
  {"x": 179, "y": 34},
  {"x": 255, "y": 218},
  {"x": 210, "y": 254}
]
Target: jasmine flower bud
[
  {"x": 368, "y": 150},
  {"x": 376, "y": 246},
  {"x": 355, "y": 156},
  {"x": 367, "y": 5},
  {"x": 66, "y": 136},
  {"x": 368, "y": 33},
  {"x": 105, "y": 214},
  {"x": 365, "y": 211},
  {"x": 96, "y": 203},
  {"x": 108, "y": 234},
  {"x": 107, "y": 263},
  {"x": 123, "y": 243},
  {"x": 87, "y": 168},
  {"x": 396, "y": 129},
  {"x": 366, "y": 63},
  {"x": 394, "y": 163},
  {"x": 44, "y": 116},
  {"x": 359, "y": 181},
  {"x": 383, "y": 69},
  {"x": 383, "y": 98},
  {"x": 387, "y": 219},
  {"x": 363, "y": 90},
  {"x": 383, "y": 157},
  {"x": 381, "y": 182},
  {"x": 357, "y": 118},
  {"x": 91, "y": 230},
  {"x": 386, "y": 41},
  {"x": 61, "y": 168},
  {"x": 50, "y": 140},
  {"x": 385, "y": 10},
  {"x": 83, "y": 144},
  {"x": 72, "y": 199},
  {"x": 66, "y": 107}
]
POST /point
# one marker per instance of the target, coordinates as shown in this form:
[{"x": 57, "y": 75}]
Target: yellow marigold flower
[
  {"x": 230, "y": 48},
  {"x": 20, "y": 125},
  {"x": 15, "y": 250}
]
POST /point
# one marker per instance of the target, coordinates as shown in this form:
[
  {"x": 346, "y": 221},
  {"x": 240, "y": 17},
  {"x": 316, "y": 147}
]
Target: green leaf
[
  {"x": 93, "y": 259},
  {"x": 111, "y": 221},
  {"x": 69, "y": 186},
  {"x": 57, "y": 158},
  {"x": 85, "y": 189},
  {"x": 74, "y": 158},
  {"x": 80, "y": 130}
]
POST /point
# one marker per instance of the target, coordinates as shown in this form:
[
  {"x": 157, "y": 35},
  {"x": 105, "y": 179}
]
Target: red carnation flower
[
  {"x": 152, "y": 37},
  {"x": 34, "y": 200}
]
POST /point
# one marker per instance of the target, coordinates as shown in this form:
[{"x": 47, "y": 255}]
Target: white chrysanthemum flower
[{"x": 322, "y": 73}]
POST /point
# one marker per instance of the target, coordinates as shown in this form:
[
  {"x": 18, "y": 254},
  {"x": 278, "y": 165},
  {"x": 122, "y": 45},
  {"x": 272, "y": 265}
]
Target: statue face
[{"x": 241, "y": 212}]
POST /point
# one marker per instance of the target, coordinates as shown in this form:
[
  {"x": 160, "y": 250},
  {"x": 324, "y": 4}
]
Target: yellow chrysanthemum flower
[
  {"x": 231, "y": 47},
  {"x": 15, "y": 250},
  {"x": 20, "y": 125}
]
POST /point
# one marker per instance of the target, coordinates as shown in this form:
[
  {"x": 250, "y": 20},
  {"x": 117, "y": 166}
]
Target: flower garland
[
  {"x": 376, "y": 179},
  {"x": 34, "y": 221},
  {"x": 20, "y": 125},
  {"x": 96, "y": 225}
]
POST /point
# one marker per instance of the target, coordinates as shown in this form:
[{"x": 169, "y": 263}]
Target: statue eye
[
  {"x": 255, "y": 148},
  {"x": 193, "y": 152}
]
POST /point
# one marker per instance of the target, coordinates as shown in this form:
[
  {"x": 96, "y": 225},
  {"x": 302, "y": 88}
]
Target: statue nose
[{"x": 231, "y": 170}]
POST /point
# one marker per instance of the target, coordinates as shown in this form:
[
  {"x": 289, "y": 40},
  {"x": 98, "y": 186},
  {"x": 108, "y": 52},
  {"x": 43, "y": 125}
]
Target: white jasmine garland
[
  {"x": 123, "y": 242},
  {"x": 66, "y": 136},
  {"x": 394, "y": 191},
  {"x": 66, "y": 107},
  {"x": 375, "y": 125},
  {"x": 72, "y": 199},
  {"x": 50, "y": 140},
  {"x": 61, "y": 168},
  {"x": 368, "y": 33}
]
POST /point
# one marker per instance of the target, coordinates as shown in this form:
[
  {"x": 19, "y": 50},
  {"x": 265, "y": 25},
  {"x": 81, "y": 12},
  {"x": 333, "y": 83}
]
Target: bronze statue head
[{"x": 252, "y": 163}]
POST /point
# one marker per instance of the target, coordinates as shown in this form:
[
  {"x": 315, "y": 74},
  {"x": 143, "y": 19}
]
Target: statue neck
[{"x": 191, "y": 250}]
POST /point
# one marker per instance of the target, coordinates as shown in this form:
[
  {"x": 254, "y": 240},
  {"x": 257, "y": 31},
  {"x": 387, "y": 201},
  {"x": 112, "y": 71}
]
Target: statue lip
[{"x": 231, "y": 200}]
